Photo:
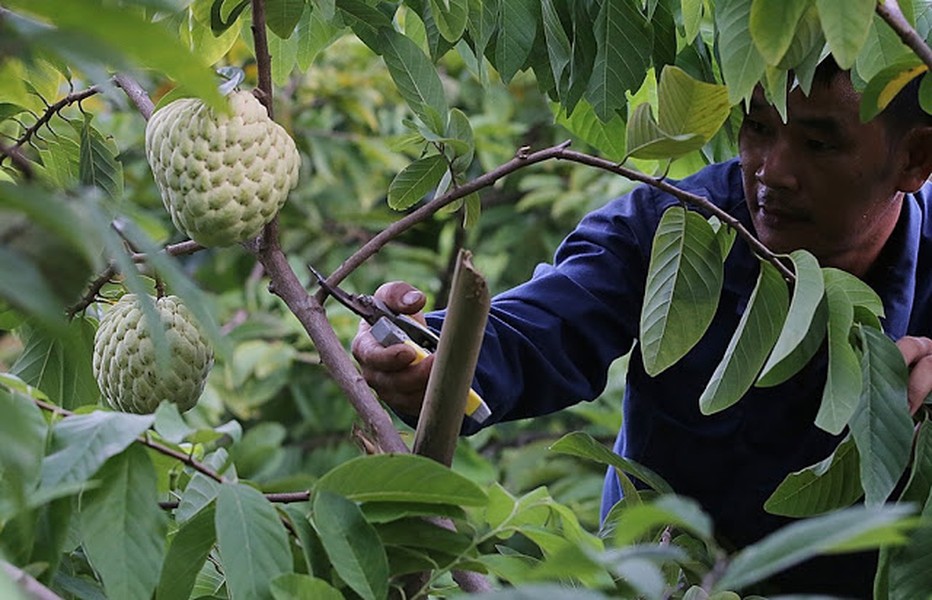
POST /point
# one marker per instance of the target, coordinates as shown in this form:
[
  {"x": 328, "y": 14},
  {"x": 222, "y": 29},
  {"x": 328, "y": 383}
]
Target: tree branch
[
  {"x": 263, "y": 60},
  {"x": 160, "y": 448},
  {"x": 137, "y": 95},
  {"x": 28, "y": 584},
  {"x": 889, "y": 11},
  {"x": 451, "y": 376},
  {"x": 50, "y": 111},
  {"x": 523, "y": 159}
]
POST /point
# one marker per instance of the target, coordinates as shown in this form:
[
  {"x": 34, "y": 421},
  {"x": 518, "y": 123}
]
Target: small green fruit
[
  {"x": 125, "y": 365},
  {"x": 222, "y": 177}
]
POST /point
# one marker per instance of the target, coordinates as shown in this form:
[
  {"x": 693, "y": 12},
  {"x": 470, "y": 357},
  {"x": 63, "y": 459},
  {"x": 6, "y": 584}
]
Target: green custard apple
[
  {"x": 128, "y": 373},
  {"x": 222, "y": 177}
]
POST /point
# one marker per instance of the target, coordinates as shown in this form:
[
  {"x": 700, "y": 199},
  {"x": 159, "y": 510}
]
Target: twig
[
  {"x": 180, "y": 249},
  {"x": 521, "y": 160},
  {"x": 889, "y": 11},
  {"x": 278, "y": 497},
  {"x": 160, "y": 448},
  {"x": 50, "y": 111},
  {"x": 136, "y": 94},
  {"x": 28, "y": 584},
  {"x": 19, "y": 161}
]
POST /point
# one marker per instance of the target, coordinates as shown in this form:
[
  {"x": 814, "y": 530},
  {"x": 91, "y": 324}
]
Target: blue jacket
[{"x": 550, "y": 341}]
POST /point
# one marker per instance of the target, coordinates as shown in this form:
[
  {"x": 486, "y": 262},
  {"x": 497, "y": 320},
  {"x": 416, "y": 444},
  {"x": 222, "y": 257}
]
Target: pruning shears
[{"x": 389, "y": 328}]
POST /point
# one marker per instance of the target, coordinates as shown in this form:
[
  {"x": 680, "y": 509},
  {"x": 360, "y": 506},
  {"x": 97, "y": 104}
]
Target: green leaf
[
  {"x": 606, "y": 137},
  {"x": 400, "y": 478},
  {"x": 294, "y": 586},
  {"x": 752, "y": 341},
  {"x": 61, "y": 159},
  {"x": 646, "y": 140},
  {"x": 882, "y": 49},
  {"x": 802, "y": 540},
  {"x": 253, "y": 542},
  {"x": 450, "y": 17},
  {"x": 687, "y": 105},
  {"x": 683, "y": 285},
  {"x": 282, "y": 16},
  {"x": 920, "y": 477},
  {"x": 384, "y": 512},
  {"x": 830, "y": 484},
  {"x": 98, "y": 165},
  {"x": 669, "y": 509},
  {"x": 843, "y": 386},
  {"x": 415, "y": 181},
  {"x": 60, "y": 365},
  {"x": 846, "y": 25},
  {"x": 284, "y": 57},
  {"x": 742, "y": 64},
  {"x": 314, "y": 34},
  {"x": 583, "y": 445},
  {"x": 416, "y": 79},
  {"x": 517, "y": 29},
  {"x": 886, "y": 84},
  {"x": 186, "y": 556},
  {"x": 354, "y": 548},
  {"x": 881, "y": 426},
  {"x": 624, "y": 40},
  {"x": 773, "y": 25},
  {"x": 23, "y": 431},
  {"x": 217, "y": 25},
  {"x": 81, "y": 444},
  {"x": 802, "y": 330},
  {"x": 126, "y": 32},
  {"x": 909, "y": 565},
  {"x": 925, "y": 92},
  {"x": 691, "y": 11},
  {"x": 559, "y": 46},
  {"x": 122, "y": 527},
  {"x": 23, "y": 286}
]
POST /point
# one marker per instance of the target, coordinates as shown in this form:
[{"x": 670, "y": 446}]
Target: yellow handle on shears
[{"x": 388, "y": 334}]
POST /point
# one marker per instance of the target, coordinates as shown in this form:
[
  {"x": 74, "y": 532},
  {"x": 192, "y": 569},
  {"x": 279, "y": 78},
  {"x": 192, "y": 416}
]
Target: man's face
[{"x": 823, "y": 181}]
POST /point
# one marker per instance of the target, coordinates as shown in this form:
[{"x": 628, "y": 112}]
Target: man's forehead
[{"x": 829, "y": 106}]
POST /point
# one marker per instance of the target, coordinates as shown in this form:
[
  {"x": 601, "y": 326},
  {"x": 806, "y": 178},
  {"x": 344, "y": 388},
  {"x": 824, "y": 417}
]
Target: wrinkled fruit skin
[
  {"x": 125, "y": 364},
  {"x": 222, "y": 177}
]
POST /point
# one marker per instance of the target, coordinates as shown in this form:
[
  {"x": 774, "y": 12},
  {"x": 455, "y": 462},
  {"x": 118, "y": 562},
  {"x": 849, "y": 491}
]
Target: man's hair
[{"x": 902, "y": 113}]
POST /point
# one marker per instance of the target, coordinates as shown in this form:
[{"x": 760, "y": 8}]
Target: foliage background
[{"x": 284, "y": 422}]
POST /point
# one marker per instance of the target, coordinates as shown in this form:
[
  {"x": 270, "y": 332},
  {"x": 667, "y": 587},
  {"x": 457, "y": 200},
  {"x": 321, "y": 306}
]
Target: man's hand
[
  {"x": 917, "y": 351},
  {"x": 388, "y": 370}
]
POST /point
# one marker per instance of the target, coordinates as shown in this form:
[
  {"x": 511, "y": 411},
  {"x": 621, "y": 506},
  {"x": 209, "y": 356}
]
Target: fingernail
[{"x": 411, "y": 298}]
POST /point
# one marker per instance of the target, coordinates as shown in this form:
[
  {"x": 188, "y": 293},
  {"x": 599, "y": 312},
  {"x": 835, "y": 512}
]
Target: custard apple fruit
[
  {"x": 222, "y": 177},
  {"x": 125, "y": 365}
]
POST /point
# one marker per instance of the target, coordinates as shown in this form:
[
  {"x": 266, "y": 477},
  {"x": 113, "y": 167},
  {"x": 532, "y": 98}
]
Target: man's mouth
[{"x": 777, "y": 212}]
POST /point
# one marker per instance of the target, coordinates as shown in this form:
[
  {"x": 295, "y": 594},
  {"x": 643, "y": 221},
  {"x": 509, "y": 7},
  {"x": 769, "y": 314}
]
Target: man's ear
[{"x": 917, "y": 166}]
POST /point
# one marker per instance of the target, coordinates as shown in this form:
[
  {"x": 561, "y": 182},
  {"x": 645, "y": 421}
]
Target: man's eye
[
  {"x": 755, "y": 126},
  {"x": 819, "y": 145}
]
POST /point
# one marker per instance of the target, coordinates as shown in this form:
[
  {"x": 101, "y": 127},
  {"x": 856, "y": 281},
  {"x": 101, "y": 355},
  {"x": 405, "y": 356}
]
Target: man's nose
[{"x": 777, "y": 169}]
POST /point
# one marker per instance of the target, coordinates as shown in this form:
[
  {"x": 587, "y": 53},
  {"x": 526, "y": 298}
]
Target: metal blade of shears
[{"x": 372, "y": 309}]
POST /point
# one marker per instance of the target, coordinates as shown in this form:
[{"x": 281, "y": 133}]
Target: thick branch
[
  {"x": 889, "y": 11},
  {"x": 311, "y": 315},
  {"x": 263, "y": 59},
  {"x": 454, "y": 364}
]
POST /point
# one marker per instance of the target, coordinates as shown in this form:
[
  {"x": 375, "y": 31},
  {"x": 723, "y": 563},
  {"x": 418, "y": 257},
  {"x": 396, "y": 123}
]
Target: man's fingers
[
  {"x": 402, "y": 297},
  {"x": 917, "y": 352},
  {"x": 914, "y": 348},
  {"x": 374, "y": 356},
  {"x": 920, "y": 382}
]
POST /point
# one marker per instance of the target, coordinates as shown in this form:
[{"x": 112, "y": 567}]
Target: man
[{"x": 851, "y": 193}]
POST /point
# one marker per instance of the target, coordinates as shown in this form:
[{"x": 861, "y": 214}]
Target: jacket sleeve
[{"x": 549, "y": 342}]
